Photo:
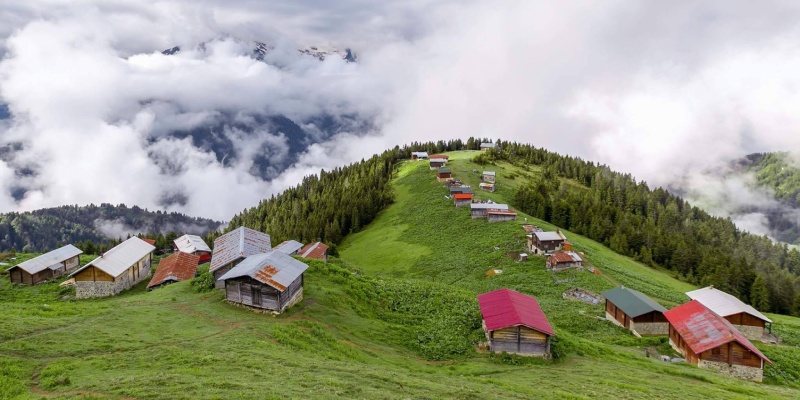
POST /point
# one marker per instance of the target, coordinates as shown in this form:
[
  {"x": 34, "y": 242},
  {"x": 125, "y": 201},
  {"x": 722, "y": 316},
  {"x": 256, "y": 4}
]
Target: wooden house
[
  {"x": 443, "y": 174},
  {"x": 193, "y": 244},
  {"x": 290, "y": 247},
  {"x": 634, "y": 311},
  {"x": 460, "y": 189},
  {"x": 481, "y": 210},
  {"x": 497, "y": 215},
  {"x": 487, "y": 146},
  {"x": 709, "y": 341},
  {"x": 47, "y": 266},
  {"x": 744, "y": 317},
  {"x": 488, "y": 176},
  {"x": 419, "y": 155},
  {"x": 561, "y": 261},
  {"x": 116, "y": 270},
  {"x": 269, "y": 281},
  {"x": 514, "y": 323},
  {"x": 233, "y": 247},
  {"x": 545, "y": 242},
  {"x": 177, "y": 267},
  {"x": 486, "y": 186},
  {"x": 462, "y": 199},
  {"x": 316, "y": 250},
  {"x": 436, "y": 163}
]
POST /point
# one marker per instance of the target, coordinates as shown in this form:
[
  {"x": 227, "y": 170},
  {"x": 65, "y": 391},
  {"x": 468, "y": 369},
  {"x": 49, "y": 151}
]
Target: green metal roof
[
  {"x": 444, "y": 170},
  {"x": 632, "y": 302}
]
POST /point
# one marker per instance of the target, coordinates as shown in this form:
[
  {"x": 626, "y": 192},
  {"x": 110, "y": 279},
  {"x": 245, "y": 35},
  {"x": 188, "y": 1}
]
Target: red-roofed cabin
[
  {"x": 151, "y": 241},
  {"x": 514, "y": 323},
  {"x": 175, "y": 268},
  {"x": 316, "y": 250},
  {"x": 562, "y": 261},
  {"x": 462, "y": 199},
  {"x": 709, "y": 341}
]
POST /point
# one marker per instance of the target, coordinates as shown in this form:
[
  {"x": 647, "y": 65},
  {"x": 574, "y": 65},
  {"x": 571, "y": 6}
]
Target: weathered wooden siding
[
  {"x": 745, "y": 319},
  {"x": 519, "y": 339},
  {"x": 252, "y": 293},
  {"x": 222, "y": 270},
  {"x": 681, "y": 347},
  {"x": 653, "y": 316},
  {"x": 92, "y": 274},
  {"x": 733, "y": 354},
  {"x": 72, "y": 264}
]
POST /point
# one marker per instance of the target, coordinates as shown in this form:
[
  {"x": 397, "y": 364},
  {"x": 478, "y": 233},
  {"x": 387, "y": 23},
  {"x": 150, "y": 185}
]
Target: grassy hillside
[{"x": 395, "y": 317}]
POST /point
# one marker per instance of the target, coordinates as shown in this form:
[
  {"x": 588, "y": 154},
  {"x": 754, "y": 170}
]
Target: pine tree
[{"x": 759, "y": 296}]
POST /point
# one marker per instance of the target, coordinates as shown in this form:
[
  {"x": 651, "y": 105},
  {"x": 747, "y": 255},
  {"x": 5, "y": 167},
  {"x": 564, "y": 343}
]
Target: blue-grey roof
[
  {"x": 238, "y": 243},
  {"x": 50, "y": 259},
  {"x": 275, "y": 268},
  {"x": 289, "y": 247},
  {"x": 632, "y": 302}
]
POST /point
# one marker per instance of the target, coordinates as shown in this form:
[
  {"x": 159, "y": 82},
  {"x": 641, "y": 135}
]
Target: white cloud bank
[{"x": 668, "y": 92}]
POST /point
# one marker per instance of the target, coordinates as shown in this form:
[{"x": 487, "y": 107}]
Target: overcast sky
[{"x": 668, "y": 91}]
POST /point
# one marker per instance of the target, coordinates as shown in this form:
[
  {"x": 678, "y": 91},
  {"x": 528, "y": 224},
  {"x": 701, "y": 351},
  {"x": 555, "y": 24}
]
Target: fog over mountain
[{"x": 671, "y": 93}]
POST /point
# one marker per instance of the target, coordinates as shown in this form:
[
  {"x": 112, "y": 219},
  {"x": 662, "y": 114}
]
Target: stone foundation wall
[
  {"x": 651, "y": 328},
  {"x": 751, "y": 332},
  {"x": 754, "y": 374},
  {"x": 89, "y": 289}
]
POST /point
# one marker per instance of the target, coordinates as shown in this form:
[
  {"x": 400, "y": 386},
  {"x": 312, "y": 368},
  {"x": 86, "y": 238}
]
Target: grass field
[{"x": 395, "y": 317}]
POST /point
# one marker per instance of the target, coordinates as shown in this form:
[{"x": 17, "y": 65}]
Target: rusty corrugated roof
[
  {"x": 238, "y": 243},
  {"x": 316, "y": 250},
  {"x": 177, "y": 267},
  {"x": 565, "y": 257},
  {"x": 274, "y": 268}
]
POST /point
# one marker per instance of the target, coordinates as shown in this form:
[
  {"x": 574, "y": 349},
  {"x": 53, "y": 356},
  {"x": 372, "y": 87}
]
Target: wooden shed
[
  {"x": 443, "y": 174},
  {"x": 233, "y": 247},
  {"x": 709, "y": 341},
  {"x": 545, "y": 242},
  {"x": 488, "y": 176},
  {"x": 462, "y": 199},
  {"x": 561, "y": 261},
  {"x": 436, "y": 163},
  {"x": 749, "y": 321},
  {"x": 193, "y": 244},
  {"x": 47, "y": 266},
  {"x": 177, "y": 267},
  {"x": 270, "y": 281},
  {"x": 514, "y": 323},
  {"x": 316, "y": 250},
  {"x": 290, "y": 247},
  {"x": 481, "y": 210},
  {"x": 496, "y": 215},
  {"x": 116, "y": 270},
  {"x": 635, "y": 311}
]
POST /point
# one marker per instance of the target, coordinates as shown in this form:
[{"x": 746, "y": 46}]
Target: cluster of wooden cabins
[{"x": 243, "y": 262}]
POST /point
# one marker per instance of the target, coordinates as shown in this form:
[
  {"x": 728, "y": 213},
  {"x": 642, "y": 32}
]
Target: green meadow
[{"x": 394, "y": 316}]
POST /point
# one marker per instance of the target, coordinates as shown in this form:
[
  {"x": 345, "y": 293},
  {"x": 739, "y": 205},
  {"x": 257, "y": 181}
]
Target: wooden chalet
[
  {"x": 436, "y": 163},
  {"x": 419, "y": 155},
  {"x": 486, "y": 186},
  {"x": 481, "y": 210},
  {"x": 316, "y": 250},
  {"x": 290, "y": 247},
  {"x": 47, "y": 266},
  {"x": 487, "y": 146},
  {"x": 545, "y": 242},
  {"x": 462, "y": 199},
  {"x": 193, "y": 244},
  {"x": 269, "y": 281},
  {"x": 488, "y": 176},
  {"x": 744, "y": 317},
  {"x": 497, "y": 215},
  {"x": 443, "y": 174},
  {"x": 116, "y": 270},
  {"x": 514, "y": 323},
  {"x": 709, "y": 341},
  {"x": 177, "y": 267},
  {"x": 564, "y": 260},
  {"x": 233, "y": 247},
  {"x": 634, "y": 311}
]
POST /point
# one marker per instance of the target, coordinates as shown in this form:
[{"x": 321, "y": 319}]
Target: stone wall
[
  {"x": 650, "y": 328},
  {"x": 754, "y": 374},
  {"x": 751, "y": 332}
]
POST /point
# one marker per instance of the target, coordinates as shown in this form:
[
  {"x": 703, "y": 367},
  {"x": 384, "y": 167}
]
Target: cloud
[{"x": 671, "y": 93}]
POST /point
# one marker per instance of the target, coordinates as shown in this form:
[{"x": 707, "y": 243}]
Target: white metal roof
[
  {"x": 547, "y": 236},
  {"x": 489, "y": 144},
  {"x": 486, "y": 206},
  {"x": 289, "y": 247},
  {"x": 240, "y": 242},
  {"x": 438, "y": 159},
  {"x": 50, "y": 260},
  {"x": 115, "y": 261},
  {"x": 489, "y": 173},
  {"x": 420, "y": 154},
  {"x": 191, "y": 243},
  {"x": 723, "y": 303},
  {"x": 275, "y": 268}
]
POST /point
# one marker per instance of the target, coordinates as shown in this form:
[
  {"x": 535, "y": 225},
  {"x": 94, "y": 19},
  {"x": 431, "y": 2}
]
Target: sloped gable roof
[
  {"x": 505, "y": 307},
  {"x": 548, "y": 236},
  {"x": 289, "y": 246},
  {"x": 275, "y": 269},
  {"x": 632, "y": 302},
  {"x": 314, "y": 250},
  {"x": 117, "y": 260},
  {"x": 238, "y": 243},
  {"x": 191, "y": 243},
  {"x": 723, "y": 303},
  {"x": 488, "y": 206},
  {"x": 702, "y": 329},
  {"x": 49, "y": 259},
  {"x": 177, "y": 267},
  {"x": 566, "y": 257}
]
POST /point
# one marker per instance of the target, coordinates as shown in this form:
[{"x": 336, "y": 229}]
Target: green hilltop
[{"x": 393, "y": 316}]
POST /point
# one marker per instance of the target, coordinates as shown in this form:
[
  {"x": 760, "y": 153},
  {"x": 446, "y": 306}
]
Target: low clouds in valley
[{"x": 671, "y": 93}]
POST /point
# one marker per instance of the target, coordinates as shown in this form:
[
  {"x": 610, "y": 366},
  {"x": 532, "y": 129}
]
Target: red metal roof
[
  {"x": 176, "y": 267},
  {"x": 505, "y": 307},
  {"x": 462, "y": 196},
  {"x": 314, "y": 250},
  {"x": 151, "y": 241},
  {"x": 703, "y": 330},
  {"x": 446, "y": 157},
  {"x": 563, "y": 257}
]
